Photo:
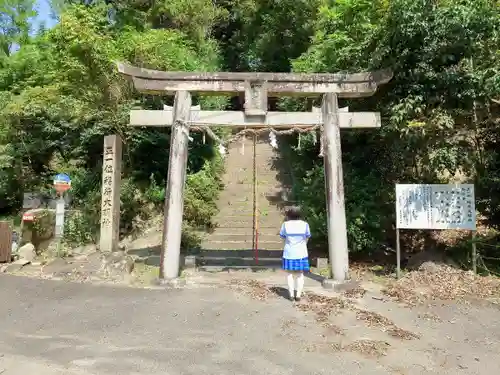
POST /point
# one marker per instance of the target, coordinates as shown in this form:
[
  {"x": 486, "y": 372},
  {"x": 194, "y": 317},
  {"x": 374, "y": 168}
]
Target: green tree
[
  {"x": 428, "y": 109},
  {"x": 61, "y": 93},
  {"x": 15, "y": 18}
]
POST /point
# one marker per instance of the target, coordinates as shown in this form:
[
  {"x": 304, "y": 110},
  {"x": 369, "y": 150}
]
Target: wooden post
[
  {"x": 5, "y": 241},
  {"x": 334, "y": 188},
  {"x": 110, "y": 198},
  {"x": 474, "y": 252},
  {"x": 398, "y": 255},
  {"x": 174, "y": 199}
]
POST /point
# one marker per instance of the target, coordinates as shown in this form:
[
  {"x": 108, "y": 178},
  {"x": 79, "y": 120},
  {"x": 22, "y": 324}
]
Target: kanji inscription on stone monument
[{"x": 110, "y": 200}]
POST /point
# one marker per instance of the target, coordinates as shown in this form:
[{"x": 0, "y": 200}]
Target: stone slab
[
  {"x": 236, "y": 118},
  {"x": 321, "y": 263},
  {"x": 16, "y": 265},
  {"x": 340, "y": 287},
  {"x": 177, "y": 282}
]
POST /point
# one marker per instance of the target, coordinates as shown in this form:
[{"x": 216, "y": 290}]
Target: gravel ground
[{"x": 53, "y": 327}]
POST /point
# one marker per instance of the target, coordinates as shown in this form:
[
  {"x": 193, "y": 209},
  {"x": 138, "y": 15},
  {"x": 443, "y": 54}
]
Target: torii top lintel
[{"x": 268, "y": 84}]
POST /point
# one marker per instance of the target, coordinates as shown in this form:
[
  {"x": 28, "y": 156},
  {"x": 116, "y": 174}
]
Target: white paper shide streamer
[
  {"x": 272, "y": 140},
  {"x": 222, "y": 150}
]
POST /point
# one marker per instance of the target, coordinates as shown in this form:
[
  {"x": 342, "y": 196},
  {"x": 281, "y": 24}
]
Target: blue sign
[
  {"x": 62, "y": 178},
  {"x": 62, "y": 183}
]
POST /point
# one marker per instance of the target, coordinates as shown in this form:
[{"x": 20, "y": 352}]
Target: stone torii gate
[{"x": 257, "y": 87}]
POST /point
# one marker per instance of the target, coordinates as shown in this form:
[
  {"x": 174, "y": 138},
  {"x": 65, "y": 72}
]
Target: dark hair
[{"x": 293, "y": 213}]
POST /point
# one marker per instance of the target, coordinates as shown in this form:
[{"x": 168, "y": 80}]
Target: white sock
[
  {"x": 300, "y": 284},
  {"x": 290, "y": 282}
]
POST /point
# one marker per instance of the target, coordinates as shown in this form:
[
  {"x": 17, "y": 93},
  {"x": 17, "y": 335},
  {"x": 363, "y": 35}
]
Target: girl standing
[{"x": 295, "y": 232}]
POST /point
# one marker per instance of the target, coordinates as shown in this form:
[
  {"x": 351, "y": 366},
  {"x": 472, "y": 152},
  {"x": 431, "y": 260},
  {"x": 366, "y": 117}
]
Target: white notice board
[{"x": 436, "y": 206}]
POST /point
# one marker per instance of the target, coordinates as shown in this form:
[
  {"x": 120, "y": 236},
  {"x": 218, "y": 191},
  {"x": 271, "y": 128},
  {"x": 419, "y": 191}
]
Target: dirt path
[
  {"x": 433, "y": 338},
  {"x": 237, "y": 326}
]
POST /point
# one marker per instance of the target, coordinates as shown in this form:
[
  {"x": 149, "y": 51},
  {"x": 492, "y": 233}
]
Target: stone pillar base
[
  {"x": 340, "y": 286},
  {"x": 176, "y": 282}
]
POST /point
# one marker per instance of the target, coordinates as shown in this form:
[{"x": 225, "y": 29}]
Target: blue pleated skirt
[{"x": 296, "y": 264}]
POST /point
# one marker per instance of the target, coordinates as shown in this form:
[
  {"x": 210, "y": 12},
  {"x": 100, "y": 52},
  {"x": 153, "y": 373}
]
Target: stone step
[
  {"x": 248, "y": 224},
  {"x": 238, "y": 245},
  {"x": 238, "y": 170},
  {"x": 248, "y": 157},
  {"x": 236, "y": 263},
  {"x": 271, "y": 254},
  {"x": 225, "y": 237},
  {"x": 262, "y": 198},
  {"x": 247, "y": 186},
  {"x": 265, "y": 237},
  {"x": 265, "y": 157},
  {"x": 265, "y": 181},
  {"x": 263, "y": 224},
  {"x": 240, "y": 221},
  {"x": 236, "y": 196},
  {"x": 246, "y": 243},
  {"x": 230, "y": 197},
  {"x": 248, "y": 142},
  {"x": 262, "y": 203},
  {"x": 226, "y": 208},
  {"x": 263, "y": 214},
  {"x": 262, "y": 167},
  {"x": 238, "y": 182},
  {"x": 248, "y": 151},
  {"x": 245, "y": 217},
  {"x": 254, "y": 268},
  {"x": 239, "y": 191},
  {"x": 235, "y": 219},
  {"x": 236, "y": 212},
  {"x": 267, "y": 207},
  {"x": 268, "y": 178},
  {"x": 240, "y": 178},
  {"x": 267, "y": 210},
  {"x": 233, "y": 231},
  {"x": 243, "y": 161}
]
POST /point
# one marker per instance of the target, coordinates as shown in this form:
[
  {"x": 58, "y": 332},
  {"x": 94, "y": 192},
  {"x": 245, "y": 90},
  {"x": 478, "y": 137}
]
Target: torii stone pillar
[{"x": 256, "y": 87}]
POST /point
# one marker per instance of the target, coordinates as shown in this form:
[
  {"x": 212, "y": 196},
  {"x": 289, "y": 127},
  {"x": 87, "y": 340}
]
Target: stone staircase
[{"x": 231, "y": 244}]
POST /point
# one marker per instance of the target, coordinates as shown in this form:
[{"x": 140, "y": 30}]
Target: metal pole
[
  {"x": 334, "y": 186},
  {"x": 398, "y": 255},
  {"x": 60, "y": 208},
  {"x": 174, "y": 197},
  {"x": 474, "y": 252}
]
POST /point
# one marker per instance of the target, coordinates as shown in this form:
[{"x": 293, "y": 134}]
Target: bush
[
  {"x": 39, "y": 230},
  {"x": 202, "y": 191},
  {"x": 190, "y": 240},
  {"x": 80, "y": 228}
]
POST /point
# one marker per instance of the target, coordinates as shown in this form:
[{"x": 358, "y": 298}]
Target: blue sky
[{"x": 44, "y": 16}]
